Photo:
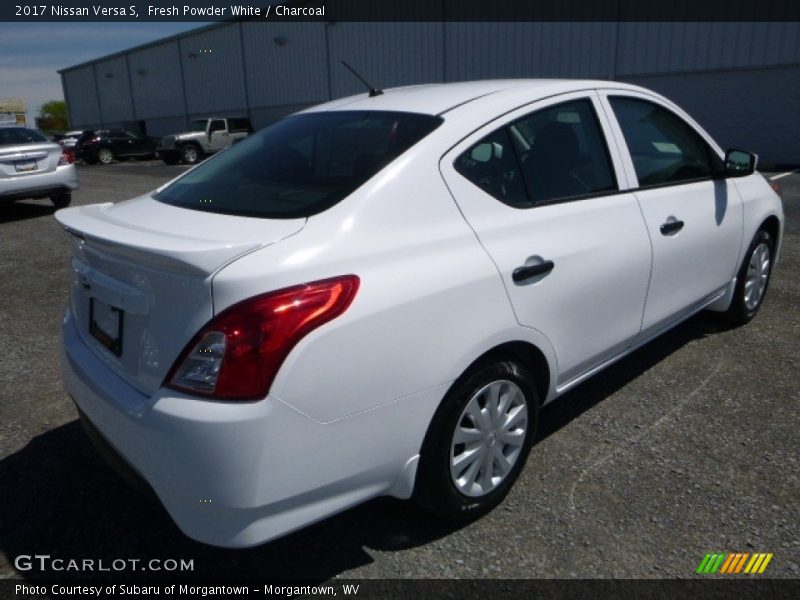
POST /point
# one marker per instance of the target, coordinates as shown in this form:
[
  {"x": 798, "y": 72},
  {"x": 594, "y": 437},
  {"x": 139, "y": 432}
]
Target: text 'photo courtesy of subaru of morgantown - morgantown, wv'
[{"x": 376, "y": 295}]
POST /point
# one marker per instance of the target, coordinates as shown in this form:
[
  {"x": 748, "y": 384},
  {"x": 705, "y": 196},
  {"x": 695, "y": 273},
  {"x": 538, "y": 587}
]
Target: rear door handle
[
  {"x": 522, "y": 274},
  {"x": 671, "y": 227}
]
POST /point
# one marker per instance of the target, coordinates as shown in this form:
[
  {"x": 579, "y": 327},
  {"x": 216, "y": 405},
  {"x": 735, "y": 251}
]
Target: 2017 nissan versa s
[{"x": 376, "y": 295}]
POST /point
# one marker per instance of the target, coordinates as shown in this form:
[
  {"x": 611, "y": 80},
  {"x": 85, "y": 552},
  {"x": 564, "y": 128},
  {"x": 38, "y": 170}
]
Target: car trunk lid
[
  {"x": 28, "y": 159},
  {"x": 142, "y": 274}
]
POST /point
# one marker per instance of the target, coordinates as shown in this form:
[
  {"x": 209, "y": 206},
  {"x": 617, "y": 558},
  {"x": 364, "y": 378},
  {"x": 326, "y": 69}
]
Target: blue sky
[{"x": 31, "y": 53}]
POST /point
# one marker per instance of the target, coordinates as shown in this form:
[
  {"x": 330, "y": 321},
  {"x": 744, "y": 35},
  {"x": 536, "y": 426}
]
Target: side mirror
[{"x": 739, "y": 163}]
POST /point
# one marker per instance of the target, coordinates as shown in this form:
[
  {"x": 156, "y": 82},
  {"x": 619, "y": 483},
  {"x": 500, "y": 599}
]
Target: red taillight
[
  {"x": 67, "y": 157},
  {"x": 237, "y": 355}
]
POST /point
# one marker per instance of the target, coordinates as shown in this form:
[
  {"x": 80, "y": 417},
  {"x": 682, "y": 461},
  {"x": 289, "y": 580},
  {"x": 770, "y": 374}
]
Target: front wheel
[
  {"x": 478, "y": 441},
  {"x": 190, "y": 154},
  {"x": 752, "y": 280}
]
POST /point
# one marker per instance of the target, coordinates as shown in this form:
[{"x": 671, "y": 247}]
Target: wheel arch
[
  {"x": 772, "y": 226},
  {"x": 529, "y": 354},
  {"x": 526, "y": 353}
]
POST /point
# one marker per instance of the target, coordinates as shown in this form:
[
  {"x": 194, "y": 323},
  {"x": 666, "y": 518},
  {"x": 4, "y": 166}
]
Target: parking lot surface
[{"x": 688, "y": 446}]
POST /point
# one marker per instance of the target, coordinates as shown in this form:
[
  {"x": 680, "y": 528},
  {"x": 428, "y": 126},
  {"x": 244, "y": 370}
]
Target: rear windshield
[
  {"x": 11, "y": 136},
  {"x": 299, "y": 166}
]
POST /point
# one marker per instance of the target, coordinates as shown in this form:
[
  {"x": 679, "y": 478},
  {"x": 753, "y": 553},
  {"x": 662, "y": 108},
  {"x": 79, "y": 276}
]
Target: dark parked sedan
[
  {"x": 70, "y": 138},
  {"x": 105, "y": 145}
]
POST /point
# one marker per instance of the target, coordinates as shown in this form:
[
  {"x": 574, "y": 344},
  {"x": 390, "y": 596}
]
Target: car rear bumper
[
  {"x": 237, "y": 474},
  {"x": 39, "y": 185}
]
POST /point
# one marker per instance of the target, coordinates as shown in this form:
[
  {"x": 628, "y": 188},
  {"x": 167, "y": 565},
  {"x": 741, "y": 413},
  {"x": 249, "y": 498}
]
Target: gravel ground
[{"x": 688, "y": 446}]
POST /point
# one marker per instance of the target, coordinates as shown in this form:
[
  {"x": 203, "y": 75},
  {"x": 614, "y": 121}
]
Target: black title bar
[{"x": 405, "y": 10}]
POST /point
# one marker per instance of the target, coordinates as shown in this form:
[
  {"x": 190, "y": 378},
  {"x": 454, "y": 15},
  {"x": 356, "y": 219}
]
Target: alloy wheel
[{"x": 757, "y": 276}]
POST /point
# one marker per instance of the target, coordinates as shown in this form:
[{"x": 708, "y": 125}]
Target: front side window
[
  {"x": 217, "y": 125},
  {"x": 553, "y": 154},
  {"x": 299, "y": 166},
  {"x": 664, "y": 148}
]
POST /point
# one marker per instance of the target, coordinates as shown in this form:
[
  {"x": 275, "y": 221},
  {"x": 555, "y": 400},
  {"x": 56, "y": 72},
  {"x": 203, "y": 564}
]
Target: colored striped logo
[{"x": 735, "y": 562}]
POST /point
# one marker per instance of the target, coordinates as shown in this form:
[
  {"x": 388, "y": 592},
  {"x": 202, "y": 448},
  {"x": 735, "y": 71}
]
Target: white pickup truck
[{"x": 205, "y": 136}]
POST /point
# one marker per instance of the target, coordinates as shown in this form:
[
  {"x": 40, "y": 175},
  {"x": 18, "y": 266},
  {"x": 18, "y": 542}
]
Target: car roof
[{"x": 440, "y": 98}]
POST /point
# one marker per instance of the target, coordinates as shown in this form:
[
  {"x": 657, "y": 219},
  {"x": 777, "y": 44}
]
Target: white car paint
[
  {"x": 346, "y": 415},
  {"x": 604, "y": 248},
  {"x": 48, "y": 173},
  {"x": 679, "y": 281}
]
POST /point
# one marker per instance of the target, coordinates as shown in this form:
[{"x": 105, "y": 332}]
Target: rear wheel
[
  {"x": 190, "y": 154},
  {"x": 105, "y": 156},
  {"x": 478, "y": 441},
  {"x": 61, "y": 199},
  {"x": 752, "y": 280}
]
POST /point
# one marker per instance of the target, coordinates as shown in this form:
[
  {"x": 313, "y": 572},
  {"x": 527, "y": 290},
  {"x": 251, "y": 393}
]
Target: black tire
[
  {"x": 435, "y": 487},
  {"x": 170, "y": 160},
  {"x": 190, "y": 154},
  {"x": 62, "y": 199},
  {"x": 740, "y": 311}
]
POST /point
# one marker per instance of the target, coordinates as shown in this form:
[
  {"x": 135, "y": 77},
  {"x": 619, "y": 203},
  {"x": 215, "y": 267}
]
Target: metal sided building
[{"x": 740, "y": 80}]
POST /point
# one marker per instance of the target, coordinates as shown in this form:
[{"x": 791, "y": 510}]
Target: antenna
[{"x": 372, "y": 90}]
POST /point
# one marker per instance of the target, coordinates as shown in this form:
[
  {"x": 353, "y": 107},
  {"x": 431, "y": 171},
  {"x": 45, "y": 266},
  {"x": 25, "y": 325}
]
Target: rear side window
[
  {"x": 664, "y": 148},
  {"x": 563, "y": 153},
  {"x": 299, "y": 166},
  {"x": 11, "y": 136},
  {"x": 492, "y": 166},
  {"x": 553, "y": 154}
]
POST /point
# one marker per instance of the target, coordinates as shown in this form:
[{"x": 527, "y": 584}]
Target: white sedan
[
  {"x": 31, "y": 166},
  {"x": 376, "y": 295}
]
